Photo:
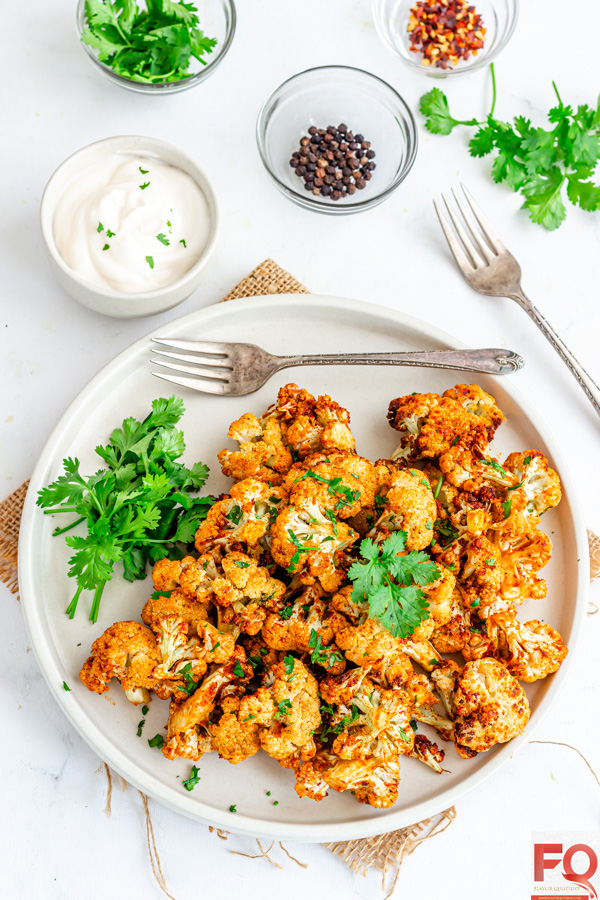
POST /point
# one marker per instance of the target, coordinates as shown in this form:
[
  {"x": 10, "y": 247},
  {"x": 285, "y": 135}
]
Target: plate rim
[{"x": 194, "y": 808}]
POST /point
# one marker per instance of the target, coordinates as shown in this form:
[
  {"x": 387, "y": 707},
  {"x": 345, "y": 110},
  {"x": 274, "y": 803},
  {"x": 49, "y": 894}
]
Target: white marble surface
[{"x": 56, "y": 842}]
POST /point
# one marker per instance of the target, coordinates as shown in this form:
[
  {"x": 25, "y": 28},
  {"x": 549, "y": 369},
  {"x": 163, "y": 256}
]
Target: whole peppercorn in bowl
[
  {"x": 445, "y": 37},
  {"x": 336, "y": 139}
]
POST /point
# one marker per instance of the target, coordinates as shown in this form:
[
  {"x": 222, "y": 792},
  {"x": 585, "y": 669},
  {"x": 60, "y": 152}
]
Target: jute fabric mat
[{"x": 385, "y": 852}]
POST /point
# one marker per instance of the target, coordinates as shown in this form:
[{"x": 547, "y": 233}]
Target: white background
[{"x": 55, "y": 841}]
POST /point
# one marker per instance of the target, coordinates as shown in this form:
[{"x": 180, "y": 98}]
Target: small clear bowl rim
[
  {"x": 160, "y": 87},
  {"x": 355, "y": 205},
  {"x": 431, "y": 71}
]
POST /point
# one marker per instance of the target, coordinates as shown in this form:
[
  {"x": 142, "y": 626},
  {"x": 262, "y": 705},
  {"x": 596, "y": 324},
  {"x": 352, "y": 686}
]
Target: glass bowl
[
  {"x": 499, "y": 19},
  {"x": 332, "y": 95},
  {"x": 217, "y": 20}
]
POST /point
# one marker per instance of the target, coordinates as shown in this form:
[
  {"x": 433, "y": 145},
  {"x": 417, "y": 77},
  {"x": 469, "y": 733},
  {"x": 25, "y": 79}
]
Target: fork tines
[
  {"x": 209, "y": 360},
  {"x": 485, "y": 244}
]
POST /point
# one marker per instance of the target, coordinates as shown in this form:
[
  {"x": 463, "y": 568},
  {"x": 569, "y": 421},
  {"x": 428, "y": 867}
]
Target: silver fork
[
  {"x": 491, "y": 269},
  {"x": 235, "y": 369}
]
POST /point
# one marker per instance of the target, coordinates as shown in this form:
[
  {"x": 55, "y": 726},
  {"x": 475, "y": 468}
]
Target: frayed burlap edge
[{"x": 10, "y": 520}]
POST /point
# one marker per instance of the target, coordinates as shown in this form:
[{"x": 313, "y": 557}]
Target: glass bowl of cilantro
[
  {"x": 157, "y": 46},
  {"x": 498, "y": 18}
]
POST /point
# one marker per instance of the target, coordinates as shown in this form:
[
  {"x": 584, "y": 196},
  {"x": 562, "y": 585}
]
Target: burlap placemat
[{"x": 385, "y": 852}]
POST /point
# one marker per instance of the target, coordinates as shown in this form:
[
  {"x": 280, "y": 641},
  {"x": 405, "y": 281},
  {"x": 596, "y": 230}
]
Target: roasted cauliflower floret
[
  {"x": 341, "y": 483},
  {"x": 521, "y": 559},
  {"x": 235, "y": 735},
  {"x": 372, "y": 647},
  {"x": 530, "y": 650},
  {"x": 262, "y": 454},
  {"x": 429, "y": 425},
  {"x": 539, "y": 483},
  {"x": 187, "y": 732},
  {"x": 242, "y": 520},
  {"x": 479, "y": 404},
  {"x": 311, "y": 424},
  {"x": 127, "y": 651},
  {"x": 482, "y": 575},
  {"x": 381, "y": 724},
  {"x": 307, "y": 542},
  {"x": 489, "y": 705},
  {"x": 374, "y": 781},
  {"x": 307, "y": 626},
  {"x": 440, "y": 600},
  {"x": 177, "y": 603},
  {"x": 293, "y": 714},
  {"x": 409, "y": 507},
  {"x": 472, "y": 472}
]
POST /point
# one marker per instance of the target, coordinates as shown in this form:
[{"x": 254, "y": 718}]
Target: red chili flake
[{"x": 445, "y": 32}]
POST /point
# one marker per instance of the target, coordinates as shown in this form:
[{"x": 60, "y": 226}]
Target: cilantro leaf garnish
[
  {"x": 193, "y": 780},
  {"x": 163, "y": 239},
  {"x": 536, "y": 162},
  {"x": 238, "y": 670},
  {"x": 157, "y": 741},
  {"x": 152, "y": 44},
  {"x": 150, "y": 261},
  {"x": 284, "y": 709},
  {"x": 137, "y": 509},
  {"x": 392, "y": 584}
]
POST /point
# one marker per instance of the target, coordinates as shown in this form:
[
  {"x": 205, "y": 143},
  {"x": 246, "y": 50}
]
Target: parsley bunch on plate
[
  {"x": 392, "y": 584},
  {"x": 536, "y": 162},
  {"x": 137, "y": 510},
  {"x": 152, "y": 45}
]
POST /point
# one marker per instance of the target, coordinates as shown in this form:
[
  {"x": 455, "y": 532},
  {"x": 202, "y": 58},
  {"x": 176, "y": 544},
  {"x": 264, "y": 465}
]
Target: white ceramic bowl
[{"x": 123, "y": 305}]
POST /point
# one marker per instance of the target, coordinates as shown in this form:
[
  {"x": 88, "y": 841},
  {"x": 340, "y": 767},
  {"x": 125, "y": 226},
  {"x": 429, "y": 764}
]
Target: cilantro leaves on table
[
  {"x": 151, "y": 45},
  {"x": 190, "y": 783},
  {"x": 137, "y": 510},
  {"x": 392, "y": 584},
  {"x": 535, "y": 162}
]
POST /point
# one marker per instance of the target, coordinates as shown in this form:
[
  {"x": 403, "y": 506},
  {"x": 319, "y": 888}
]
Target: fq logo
[{"x": 565, "y": 865}]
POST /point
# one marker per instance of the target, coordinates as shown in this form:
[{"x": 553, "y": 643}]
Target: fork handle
[
  {"x": 493, "y": 361},
  {"x": 585, "y": 381}
]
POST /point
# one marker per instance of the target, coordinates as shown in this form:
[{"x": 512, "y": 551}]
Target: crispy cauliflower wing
[
  {"x": 234, "y": 732},
  {"x": 341, "y": 483},
  {"x": 307, "y": 542},
  {"x": 262, "y": 453},
  {"x": 293, "y": 716},
  {"x": 490, "y": 707},
  {"x": 178, "y": 603},
  {"x": 372, "y": 647},
  {"x": 410, "y": 507},
  {"x": 242, "y": 520},
  {"x": 127, "y": 651},
  {"x": 530, "y": 650},
  {"x": 521, "y": 559},
  {"x": 311, "y": 425},
  {"x": 539, "y": 483}
]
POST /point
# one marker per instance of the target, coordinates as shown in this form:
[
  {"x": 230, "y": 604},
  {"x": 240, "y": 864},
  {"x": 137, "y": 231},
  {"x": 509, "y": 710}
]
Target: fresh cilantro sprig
[
  {"x": 152, "y": 45},
  {"x": 535, "y": 162},
  {"x": 137, "y": 510},
  {"x": 392, "y": 584}
]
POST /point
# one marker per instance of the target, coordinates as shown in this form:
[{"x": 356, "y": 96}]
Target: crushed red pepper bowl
[{"x": 499, "y": 18}]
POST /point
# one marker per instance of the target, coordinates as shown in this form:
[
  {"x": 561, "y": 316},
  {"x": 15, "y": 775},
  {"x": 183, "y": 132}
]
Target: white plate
[{"x": 282, "y": 324}]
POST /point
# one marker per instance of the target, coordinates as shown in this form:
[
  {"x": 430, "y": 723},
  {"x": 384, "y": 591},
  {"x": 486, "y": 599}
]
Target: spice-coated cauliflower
[
  {"x": 309, "y": 543},
  {"x": 489, "y": 705},
  {"x": 311, "y": 424},
  {"x": 409, "y": 507},
  {"x": 262, "y": 454},
  {"x": 127, "y": 651},
  {"x": 242, "y": 520},
  {"x": 530, "y": 650},
  {"x": 341, "y": 483}
]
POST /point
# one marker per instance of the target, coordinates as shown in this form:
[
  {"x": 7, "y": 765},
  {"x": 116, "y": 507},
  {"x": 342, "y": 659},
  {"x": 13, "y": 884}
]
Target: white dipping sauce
[{"x": 131, "y": 223}]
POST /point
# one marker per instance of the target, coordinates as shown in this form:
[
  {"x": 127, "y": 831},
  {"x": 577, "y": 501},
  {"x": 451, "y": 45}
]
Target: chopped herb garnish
[
  {"x": 506, "y": 506},
  {"x": 284, "y": 709},
  {"x": 275, "y": 802},
  {"x": 66, "y": 686},
  {"x": 157, "y": 741},
  {"x": 331, "y": 516},
  {"x": 163, "y": 239},
  {"x": 237, "y": 670},
  {"x": 218, "y": 644},
  {"x": 494, "y": 464},
  {"x": 109, "y": 233},
  {"x": 100, "y": 227},
  {"x": 476, "y": 602},
  {"x": 235, "y": 514},
  {"x": 233, "y": 808},
  {"x": 140, "y": 726},
  {"x": 247, "y": 719},
  {"x": 288, "y": 663},
  {"x": 286, "y": 612},
  {"x": 106, "y": 247},
  {"x": 183, "y": 242},
  {"x": 150, "y": 261},
  {"x": 268, "y": 793},
  {"x": 143, "y": 171},
  {"x": 438, "y": 486},
  {"x": 240, "y": 564},
  {"x": 144, "y": 710},
  {"x": 144, "y": 185},
  {"x": 193, "y": 780},
  {"x": 527, "y": 460}
]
